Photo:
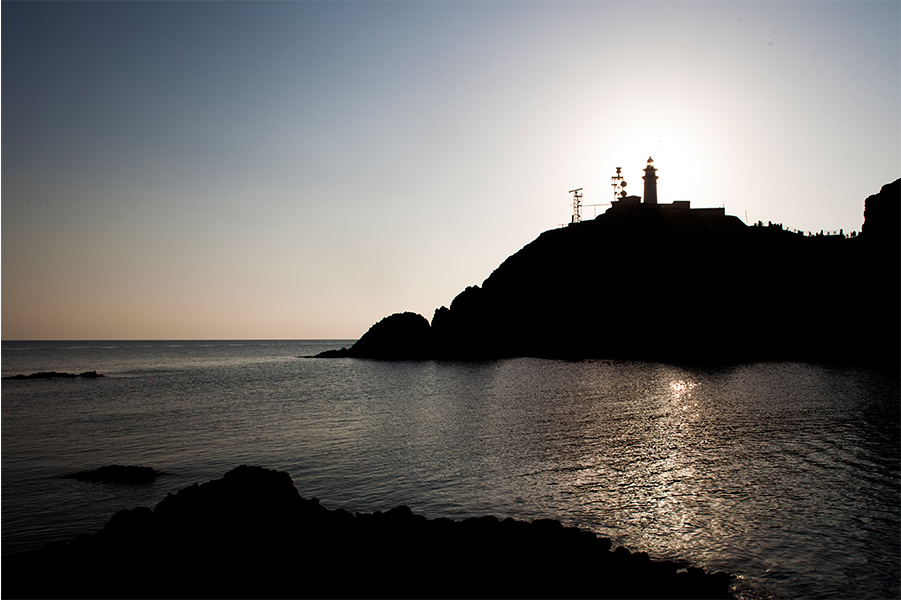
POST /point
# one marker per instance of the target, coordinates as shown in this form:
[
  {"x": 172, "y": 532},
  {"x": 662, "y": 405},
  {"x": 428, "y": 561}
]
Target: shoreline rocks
[
  {"x": 55, "y": 375},
  {"x": 250, "y": 534}
]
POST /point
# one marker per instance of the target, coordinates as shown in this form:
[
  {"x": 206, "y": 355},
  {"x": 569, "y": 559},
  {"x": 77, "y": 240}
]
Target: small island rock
[
  {"x": 55, "y": 375},
  {"x": 117, "y": 474}
]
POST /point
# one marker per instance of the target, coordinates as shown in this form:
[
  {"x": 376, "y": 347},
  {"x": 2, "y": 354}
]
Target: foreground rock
[
  {"x": 251, "y": 535},
  {"x": 55, "y": 375},
  {"x": 117, "y": 474}
]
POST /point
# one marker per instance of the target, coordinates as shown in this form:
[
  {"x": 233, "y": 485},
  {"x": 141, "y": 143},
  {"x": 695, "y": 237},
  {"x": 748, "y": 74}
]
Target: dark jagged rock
[
  {"x": 117, "y": 474},
  {"x": 401, "y": 336},
  {"x": 882, "y": 215},
  {"x": 662, "y": 282},
  {"x": 251, "y": 535},
  {"x": 342, "y": 353},
  {"x": 55, "y": 375}
]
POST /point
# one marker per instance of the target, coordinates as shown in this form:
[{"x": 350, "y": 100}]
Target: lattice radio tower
[{"x": 577, "y": 205}]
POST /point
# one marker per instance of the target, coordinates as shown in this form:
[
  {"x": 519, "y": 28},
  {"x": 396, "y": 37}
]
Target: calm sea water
[{"x": 786, "y": 475}]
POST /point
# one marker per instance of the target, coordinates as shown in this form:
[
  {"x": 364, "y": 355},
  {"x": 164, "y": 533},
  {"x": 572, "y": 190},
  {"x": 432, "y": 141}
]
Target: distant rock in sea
[
  {"x": 669, "y": 283},
  {"x": 251, "y": 535},
  {"x": 54, "y": 375},
  {"x": 117, "y": 474}
]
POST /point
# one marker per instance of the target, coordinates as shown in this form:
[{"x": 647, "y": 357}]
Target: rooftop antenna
[
  {"x": 618, "y": 184},
  {"x": 577, "y": 205}
]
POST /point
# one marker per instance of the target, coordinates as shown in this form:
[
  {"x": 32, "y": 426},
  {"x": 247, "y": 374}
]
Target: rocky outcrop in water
[
  {"x": 117, "y": 474},
  {"x": 663, "y": 282},
  {"x": 251, "y": 535},
  {"x": 401, "y": 336},
  {"x": 55, "y": 375}
]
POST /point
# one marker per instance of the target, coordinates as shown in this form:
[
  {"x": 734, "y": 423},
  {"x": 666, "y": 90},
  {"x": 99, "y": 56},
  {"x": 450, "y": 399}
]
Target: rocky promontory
[
  {"x": 251, "y": 535},
  {"x": 669, "y": 283}
]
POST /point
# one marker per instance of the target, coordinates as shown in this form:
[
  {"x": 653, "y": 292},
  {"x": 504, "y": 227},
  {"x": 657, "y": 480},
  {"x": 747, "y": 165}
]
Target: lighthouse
[{"x": 650, "y": 183}]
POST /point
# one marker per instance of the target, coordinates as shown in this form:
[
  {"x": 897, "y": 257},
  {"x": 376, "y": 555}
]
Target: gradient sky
[{"x": 301, "y": 170}]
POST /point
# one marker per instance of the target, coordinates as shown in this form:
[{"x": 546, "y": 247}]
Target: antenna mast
[
  {"x": 618, "y": 185},
  {"x": 577, "y": 205}
]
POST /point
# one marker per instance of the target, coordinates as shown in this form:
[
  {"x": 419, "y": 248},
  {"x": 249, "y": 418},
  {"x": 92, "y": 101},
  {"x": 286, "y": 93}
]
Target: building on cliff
[{"x": 623, "y": 203}]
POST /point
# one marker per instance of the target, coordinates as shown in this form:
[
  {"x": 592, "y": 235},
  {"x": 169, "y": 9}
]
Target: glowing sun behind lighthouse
[{"x": 676, "y": 158}]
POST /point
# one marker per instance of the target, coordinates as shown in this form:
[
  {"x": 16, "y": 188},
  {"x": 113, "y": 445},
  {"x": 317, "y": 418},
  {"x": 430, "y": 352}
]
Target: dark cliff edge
[
  {"x": 251, "y": 535},
  {"x": 656, "y": 282}
]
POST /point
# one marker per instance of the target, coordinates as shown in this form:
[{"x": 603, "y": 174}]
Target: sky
[{"x": 300, "y": 170}]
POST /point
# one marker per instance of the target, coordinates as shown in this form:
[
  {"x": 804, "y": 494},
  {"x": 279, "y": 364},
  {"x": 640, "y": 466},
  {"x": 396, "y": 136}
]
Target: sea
[{"x": 785, "y": 475}]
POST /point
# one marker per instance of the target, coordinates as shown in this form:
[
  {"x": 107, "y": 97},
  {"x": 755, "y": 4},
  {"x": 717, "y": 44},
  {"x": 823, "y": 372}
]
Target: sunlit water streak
[{"x": 784, "y": 474}]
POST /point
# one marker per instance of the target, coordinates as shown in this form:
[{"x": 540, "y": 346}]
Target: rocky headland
[
  {"x": 664, "y": 282},
  {"x": 251, "y": 535}
]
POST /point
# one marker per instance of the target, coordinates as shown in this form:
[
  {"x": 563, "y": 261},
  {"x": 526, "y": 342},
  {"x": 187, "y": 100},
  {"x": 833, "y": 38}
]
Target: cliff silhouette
[{"x": 669, "y": 283}]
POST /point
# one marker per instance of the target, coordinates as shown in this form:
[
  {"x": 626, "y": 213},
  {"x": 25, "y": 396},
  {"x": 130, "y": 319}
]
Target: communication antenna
[
  {"x": 618, "y": 184},
  {"x": 577, "y": 205}
]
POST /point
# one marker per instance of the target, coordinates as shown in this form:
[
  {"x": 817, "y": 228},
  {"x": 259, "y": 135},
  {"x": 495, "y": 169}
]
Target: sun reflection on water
[{"x": 645, "y": 457}]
